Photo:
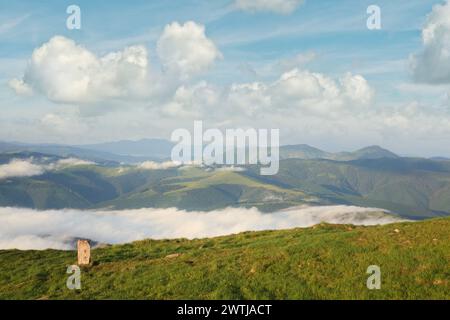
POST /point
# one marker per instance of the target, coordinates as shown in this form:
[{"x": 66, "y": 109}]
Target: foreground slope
[{"x": 322, "y": 262}]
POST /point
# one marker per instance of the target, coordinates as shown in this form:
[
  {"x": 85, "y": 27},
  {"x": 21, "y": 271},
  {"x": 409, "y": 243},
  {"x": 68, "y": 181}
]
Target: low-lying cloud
[
  {"x": 31, "y": 229},
  {"x": 20, "y": 168},
  {"x": 231, "y": 168},
  {"x": 72, "y": 162},
  {"x": 152, "y": 165},
  {"x": 34, "y": 167},
  {"x": 28, "y": 168}
]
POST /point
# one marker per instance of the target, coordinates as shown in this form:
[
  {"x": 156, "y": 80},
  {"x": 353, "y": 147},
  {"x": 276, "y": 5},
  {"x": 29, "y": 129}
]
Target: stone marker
[{"x": 84, "y": 252}]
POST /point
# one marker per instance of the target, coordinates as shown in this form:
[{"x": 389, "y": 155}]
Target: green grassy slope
[
  {"x": 322, "y": 262},
  {"x": 84, "y": 186},
  {"x": 411, "y": 187},
  {"x": 197, "y": 189}
]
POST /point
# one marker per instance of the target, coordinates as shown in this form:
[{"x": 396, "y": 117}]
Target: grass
[
  {"x": 228, "y": 177},
  {"x": 322, "y": 262}
]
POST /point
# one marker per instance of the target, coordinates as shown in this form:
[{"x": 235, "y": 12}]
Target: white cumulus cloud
[
  {"x": 67, "y": 72},
  {"x": 193, "y": 100},
  {"x": 33, "y": 229},
  {"x": 317, "y": 92},
  {"x": 432, "y": 65},
  {"x": 20, "y": 87},
  {"x": 185, "y": 50},
  {"x": 297, "y": 91}
]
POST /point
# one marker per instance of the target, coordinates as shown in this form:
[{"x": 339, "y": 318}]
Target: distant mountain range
[
  {"x": 304, "y": 151},
  {"x": 121, "y": 151},
  {"x": 145, "y": 148},
  {"x": 411, "y": 187},
  {"x": 371, "y": 177},
  {"x": 128, "y": 151}
]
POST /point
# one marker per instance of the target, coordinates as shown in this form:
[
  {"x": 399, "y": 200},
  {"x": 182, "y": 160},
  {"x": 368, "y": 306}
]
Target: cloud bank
[
  {"x": 295, "y": 91},
  {"x": 32, "y": 229}
]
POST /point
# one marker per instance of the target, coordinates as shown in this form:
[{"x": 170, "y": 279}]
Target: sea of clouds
[{"x": 25, "y": 229}]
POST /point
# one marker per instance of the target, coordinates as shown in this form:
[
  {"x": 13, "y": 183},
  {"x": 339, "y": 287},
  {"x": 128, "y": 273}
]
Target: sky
[{"x": 312, "y": 69}]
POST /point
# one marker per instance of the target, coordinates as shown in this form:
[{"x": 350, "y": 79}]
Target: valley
[{"x": 414, "y": 188}]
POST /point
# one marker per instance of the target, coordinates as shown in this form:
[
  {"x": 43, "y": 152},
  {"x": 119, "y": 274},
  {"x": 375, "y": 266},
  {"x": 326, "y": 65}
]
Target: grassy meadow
[{"x": 321, "y": 262}]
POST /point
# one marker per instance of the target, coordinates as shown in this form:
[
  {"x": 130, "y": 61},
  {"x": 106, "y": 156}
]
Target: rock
[
  {"x": 84, "y": 252},
  {"x": 438, "y": 282},
  {"x": 173, "y": 255}
]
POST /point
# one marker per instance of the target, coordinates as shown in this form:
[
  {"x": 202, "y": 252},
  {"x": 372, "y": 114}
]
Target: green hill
[
  {"x": 82, "y": 186},
  {"x": 197, "y": 189},
  {"x": 413, "y": 188},
  {"x": 306, "y": 152},
  {"x": 322, "y": 262}
]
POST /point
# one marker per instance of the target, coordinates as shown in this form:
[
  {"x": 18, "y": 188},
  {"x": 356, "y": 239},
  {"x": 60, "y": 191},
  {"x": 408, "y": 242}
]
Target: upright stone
[{"x": 84, "y": 252}]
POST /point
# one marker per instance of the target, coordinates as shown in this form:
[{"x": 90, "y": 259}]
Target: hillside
[
  {"x": 413, "y": 188},
  {"x": 322, "y": 262},
  {"x": 304, "y": 151},
  {"x": 197, "y": 189}
]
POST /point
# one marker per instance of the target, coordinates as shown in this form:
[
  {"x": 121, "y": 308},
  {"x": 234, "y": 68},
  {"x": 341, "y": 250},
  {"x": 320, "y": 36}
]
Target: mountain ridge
[
  {"x": 413, "y": 187},
  {"x": 133, "y": 151},
  {"x": 305, "y": 151}
]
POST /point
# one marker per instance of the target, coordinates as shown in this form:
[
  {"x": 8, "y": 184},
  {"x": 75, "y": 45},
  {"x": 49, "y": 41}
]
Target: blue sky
[
  {"x": 337, "y": 32},
  {"x": 252, "y": 44}
]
